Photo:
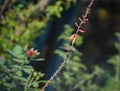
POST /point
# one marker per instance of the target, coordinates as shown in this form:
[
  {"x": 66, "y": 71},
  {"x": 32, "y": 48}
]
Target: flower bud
[{"x": 30, "y": 52}]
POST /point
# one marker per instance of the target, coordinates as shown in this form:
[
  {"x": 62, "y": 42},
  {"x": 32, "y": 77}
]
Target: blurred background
[{"x": 46, "y": 24}]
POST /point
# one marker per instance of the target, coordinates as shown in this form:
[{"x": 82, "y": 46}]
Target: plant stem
[
  {"x": 29, "y": 81},
  {"x": 57, "y": 71},
  {"x": 82, "y": 21},
  {"x": 84, "y": 17}
]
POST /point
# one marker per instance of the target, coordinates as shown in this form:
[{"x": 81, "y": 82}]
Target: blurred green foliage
[
  {"x": 17, "y": 74},
  {"x": 113, "y": 79},
  {"x": 21, "y": 23},
  {"x": 18, "y": 28},
  {"x": 74, "y": 76}
]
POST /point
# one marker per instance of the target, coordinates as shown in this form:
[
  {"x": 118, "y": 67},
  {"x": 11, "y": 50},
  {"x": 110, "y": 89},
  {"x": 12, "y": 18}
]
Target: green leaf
[
  {"x": 22, "y": 79},
  {"x": 15, "y": 66},
  {"x": 39, "y": 75},
  {"x": 79, "y": 41},
  {"x": 18, "y": 60},
  {"x": 35, "y": 84},
  {"x": 68, "y": 78},
  {"x": 17, "y": 50},
  {"x": 21, "y": 59},
  {"x": 60, "y": 53},
  {"x": 27, "y": 69},
  {"x": 8, "y": 85},
  {"x": 21, "y": 56},
  {"x": 40, "y": 59},
  {"x": 11, "y": 53},
  {"x": 2, "y": 61},
  {"x": 67, "y": 32},
  {"x": 87, "y": 76},
  {"x": 19, "y": 73},
  {"x": 114, "y": 60}
]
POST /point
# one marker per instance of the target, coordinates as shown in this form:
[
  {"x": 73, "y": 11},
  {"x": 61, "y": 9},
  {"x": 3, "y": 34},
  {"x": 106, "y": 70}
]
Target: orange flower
[
  {"x": 82, "y": 31},
  {"x": 73, "y": 38}
]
